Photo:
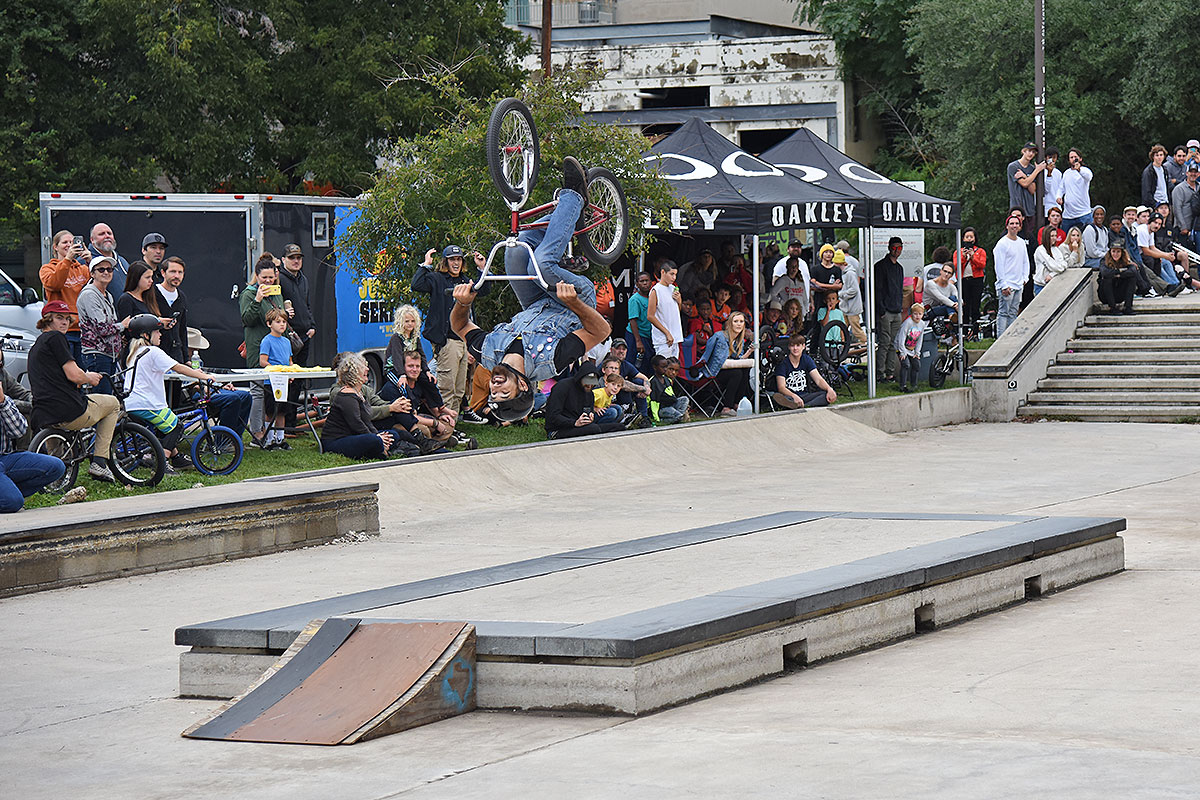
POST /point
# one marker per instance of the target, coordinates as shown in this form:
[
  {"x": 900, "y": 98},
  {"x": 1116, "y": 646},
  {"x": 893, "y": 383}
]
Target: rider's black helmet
[{"x": 143, "y": 324}]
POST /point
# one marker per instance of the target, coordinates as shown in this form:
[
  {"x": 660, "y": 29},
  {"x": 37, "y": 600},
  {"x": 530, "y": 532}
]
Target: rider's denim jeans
[{"x": 548, "y": 245}]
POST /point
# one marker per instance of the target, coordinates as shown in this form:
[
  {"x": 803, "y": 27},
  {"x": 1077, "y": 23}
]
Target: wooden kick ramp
[{"x": 342, "y": 682}]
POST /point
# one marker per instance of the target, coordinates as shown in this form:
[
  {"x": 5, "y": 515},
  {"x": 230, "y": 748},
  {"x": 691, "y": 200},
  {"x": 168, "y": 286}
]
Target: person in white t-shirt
[
  {"x": 1077, "y": 199},
  {"x": 147, "y": 400},
  {"x": 663, "y": 313},
  {"x": 793, "y": 251},
  {"x": 1011, "y": 256},
  {"x": 1054, "y": 182}
]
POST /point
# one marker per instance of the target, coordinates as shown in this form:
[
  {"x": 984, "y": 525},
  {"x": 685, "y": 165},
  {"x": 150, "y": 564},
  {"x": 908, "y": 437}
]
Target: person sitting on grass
[
  {"x": 348, "y": 430},
  {"x": 668, "y": 403},
  {"x": 395, "y": 415},
  {"x": 570, "y": 409},
  {"x": 21, "y": 474},
  {"x": 434, "y": 418},
  {"x": 908, "y": 347},
  {"x": 635, "y": 385},
  {"x": 275, "y": 350},
  {"x": 147, "y": 401},
  {"x": 798, "y": 383}
]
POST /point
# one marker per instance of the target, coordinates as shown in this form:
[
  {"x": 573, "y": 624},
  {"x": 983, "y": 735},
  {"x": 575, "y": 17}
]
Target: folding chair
[{"x": 696, "y": 385}]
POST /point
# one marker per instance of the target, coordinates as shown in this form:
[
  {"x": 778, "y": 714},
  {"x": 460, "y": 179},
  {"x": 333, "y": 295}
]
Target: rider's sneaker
[
  {"x": 168, "y": 469},
  {"x": 181, "y": 461},
  {"x": 101, "y": 473},
  {"x": 575, "y": 177},
  {"x": 472, "y": 416}
]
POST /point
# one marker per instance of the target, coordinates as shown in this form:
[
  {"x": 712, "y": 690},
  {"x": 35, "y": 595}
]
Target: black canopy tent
[
  {"x": 734, "y": 192},
  {"x": 888, "y": 204}
]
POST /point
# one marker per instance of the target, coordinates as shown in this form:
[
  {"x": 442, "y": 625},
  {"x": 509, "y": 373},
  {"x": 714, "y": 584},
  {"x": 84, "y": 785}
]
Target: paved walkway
[{"x": 1086, "y": 693}]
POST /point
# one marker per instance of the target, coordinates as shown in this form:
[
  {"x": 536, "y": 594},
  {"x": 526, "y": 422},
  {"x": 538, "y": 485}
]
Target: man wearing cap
[
  {"x": 294, "y": 283},
  {"x": 448, "y": 348},
  {"x": 104, "y": 243},
  {"x": 55, "y": 378},
  {"x": 1076, "y": 192},
  {"x": 154, "y": 250},
  {"x": 793, "y": 251}
]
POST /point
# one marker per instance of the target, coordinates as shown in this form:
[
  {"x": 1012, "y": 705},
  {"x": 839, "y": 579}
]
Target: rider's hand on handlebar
[
  {"x": 566, "y": 292},
  {"x": 465, "y": 293}
]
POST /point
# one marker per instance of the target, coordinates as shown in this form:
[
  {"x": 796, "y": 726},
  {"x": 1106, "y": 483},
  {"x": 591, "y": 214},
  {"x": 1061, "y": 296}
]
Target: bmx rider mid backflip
[{"x": 556, "y": 326}]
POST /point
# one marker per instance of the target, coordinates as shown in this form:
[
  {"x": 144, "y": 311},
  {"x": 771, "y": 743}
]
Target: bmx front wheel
[
  {"x": 512, "y": 148},
  {"x": 217, "y": 451},
  {"x": 53, "y": 442},
  {"x": 941, "y": 368},
  {"x": 608, "y": 211},
  {"x": 834, "y": 338},
  {"x": 137, "y": 457}
]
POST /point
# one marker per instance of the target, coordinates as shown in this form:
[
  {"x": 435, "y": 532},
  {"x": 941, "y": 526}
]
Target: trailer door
[{"x": 213, "y": 245}]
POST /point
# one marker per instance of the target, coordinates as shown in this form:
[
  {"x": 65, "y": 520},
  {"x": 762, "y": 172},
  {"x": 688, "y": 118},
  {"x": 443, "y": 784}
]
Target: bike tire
[
  {"x": 511, "y": 135},
  {"x": 834, "y": 350},
  {"x": 940, "y": 369},
  {"x": 604, "y": 244},
  {"x": 60, "y": 444},
  {"x": 217, "y": 451},
  {"x": 137, "y": 457}
]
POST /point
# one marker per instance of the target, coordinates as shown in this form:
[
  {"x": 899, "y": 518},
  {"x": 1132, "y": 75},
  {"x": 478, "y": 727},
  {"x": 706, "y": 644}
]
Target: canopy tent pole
[
  {"x": 757, "y": 315},
  {"x": 962, "y": 306},
  {"x": 869, "y": 311}
]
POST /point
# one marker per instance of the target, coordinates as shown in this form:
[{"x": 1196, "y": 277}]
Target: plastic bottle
[{"x": 744, "y": 408}]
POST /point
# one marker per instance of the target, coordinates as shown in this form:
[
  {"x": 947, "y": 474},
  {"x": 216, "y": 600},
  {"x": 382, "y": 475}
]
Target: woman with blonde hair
[
  {"x": 728, "y": 358},
  {"x": 406, "y": 335},
  {"x": 64, "y": 277}
]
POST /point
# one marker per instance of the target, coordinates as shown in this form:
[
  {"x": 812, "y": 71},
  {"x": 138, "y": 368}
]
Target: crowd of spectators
[{"x": 1142, "y": 251}]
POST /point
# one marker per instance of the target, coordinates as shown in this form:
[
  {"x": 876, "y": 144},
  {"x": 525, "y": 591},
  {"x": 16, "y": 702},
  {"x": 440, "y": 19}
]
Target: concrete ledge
[
  {"x": 637, "y": 662},
  {"x": 62, "y": 546},
  {"x": 911, "y": 412},
  {"x": 1012, "y": 367}
]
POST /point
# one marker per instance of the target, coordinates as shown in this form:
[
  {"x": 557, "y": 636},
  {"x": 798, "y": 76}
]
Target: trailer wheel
[{"x": 375, "y": 370}]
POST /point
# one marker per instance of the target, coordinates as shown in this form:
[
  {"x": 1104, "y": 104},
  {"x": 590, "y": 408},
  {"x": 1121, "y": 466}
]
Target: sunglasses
[{"x": 103, "y": 269}]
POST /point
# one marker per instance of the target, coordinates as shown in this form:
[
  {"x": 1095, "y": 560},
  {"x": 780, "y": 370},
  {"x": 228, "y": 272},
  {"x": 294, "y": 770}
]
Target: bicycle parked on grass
[
  {"x": 136, "y": 458},
  {"x": 950, "y": 354},
  {"x": 216, "y": 449}
]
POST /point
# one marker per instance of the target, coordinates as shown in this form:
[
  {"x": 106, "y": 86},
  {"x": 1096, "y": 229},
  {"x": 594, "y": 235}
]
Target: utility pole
[
  {"x": 1039, "y": 102},
  {"x": 547, "y": 24}
]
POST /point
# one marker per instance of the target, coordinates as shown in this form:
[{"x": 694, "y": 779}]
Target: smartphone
[
  {"x": 79, "y": 241},
  {"x": 273, "y": 289}
]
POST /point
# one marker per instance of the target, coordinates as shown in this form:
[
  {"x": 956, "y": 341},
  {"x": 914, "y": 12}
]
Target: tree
[
  {"x": 282, "y": 95},
  {"x": 435, "y": 189}
]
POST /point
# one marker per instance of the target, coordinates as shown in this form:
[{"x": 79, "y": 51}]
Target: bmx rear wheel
[
  {"x": 510, "y": 143},
  {"x": 53, "y": 442},
  {"x": 941, "y": 368},
  {"x": 137, "y": 455},
  {"x": 607, "y": 210}
]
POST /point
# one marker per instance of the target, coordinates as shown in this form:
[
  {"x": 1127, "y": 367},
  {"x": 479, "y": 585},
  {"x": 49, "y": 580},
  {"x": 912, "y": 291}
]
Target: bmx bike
[
  {"x": 216, "y": 450},
  {"x": 950, "y": 354},
  {"x": 514, "y": 159}
]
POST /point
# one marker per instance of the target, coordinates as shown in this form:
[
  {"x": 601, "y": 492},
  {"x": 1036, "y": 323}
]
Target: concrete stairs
[{"x": 1139, "y": 368}]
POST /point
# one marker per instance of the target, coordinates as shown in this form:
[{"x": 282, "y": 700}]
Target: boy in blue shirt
[{"x": 275, "y": 350}]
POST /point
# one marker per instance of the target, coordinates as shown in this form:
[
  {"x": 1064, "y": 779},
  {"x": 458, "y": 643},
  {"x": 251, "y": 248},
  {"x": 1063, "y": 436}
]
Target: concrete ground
[{"x": 1086, "y": 693}]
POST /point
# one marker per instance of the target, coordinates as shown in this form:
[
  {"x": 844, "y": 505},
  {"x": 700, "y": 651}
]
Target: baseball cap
[
  {"x": 1140, "y": 209},
  {"x": 1128, "y": 208},
  {"x": 153, "y": 238},
  {"x": 1029, "y": 146},
  {"x": 96, "y": 261},
  {"x": 56, "y": 307},
  {"x": 1192, "y": 166},
  {"x": 1193, "y": 143},
  {"x": 795, "y": 243},
  {"x": 451, "y": 251},
  {"x": 1155, "y": 216},
  {"x": 775, "y": 305},
  {"x": 292, "y": 250}
]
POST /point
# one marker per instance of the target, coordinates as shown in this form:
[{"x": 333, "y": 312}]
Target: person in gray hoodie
[{"x": 1095, "y": 239}]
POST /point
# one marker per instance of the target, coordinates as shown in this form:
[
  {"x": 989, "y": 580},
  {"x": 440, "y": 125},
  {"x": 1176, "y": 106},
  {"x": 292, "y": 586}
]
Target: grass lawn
[{"x": 304, "y": 457}]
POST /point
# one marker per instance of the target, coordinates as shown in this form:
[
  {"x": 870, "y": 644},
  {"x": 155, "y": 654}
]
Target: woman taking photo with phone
[{"x": 64, "y": 277}]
